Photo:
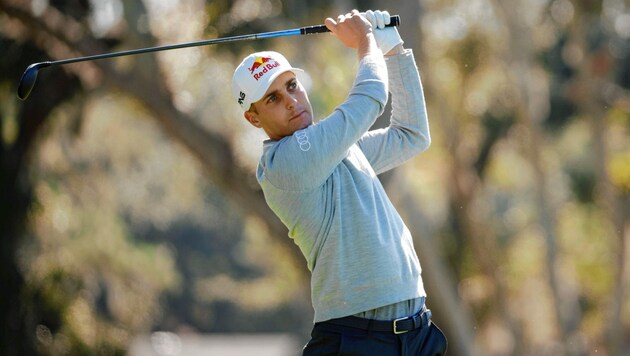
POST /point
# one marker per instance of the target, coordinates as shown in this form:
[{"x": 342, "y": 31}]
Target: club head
[{"x": 27, "y": 82}]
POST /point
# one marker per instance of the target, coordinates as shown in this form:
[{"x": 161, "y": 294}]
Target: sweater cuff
[{"x": 395, "y": 62}]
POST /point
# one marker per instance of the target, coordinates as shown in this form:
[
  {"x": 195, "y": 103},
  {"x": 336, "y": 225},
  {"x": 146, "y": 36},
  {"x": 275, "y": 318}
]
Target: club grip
[{"x": 394, "y": 21}]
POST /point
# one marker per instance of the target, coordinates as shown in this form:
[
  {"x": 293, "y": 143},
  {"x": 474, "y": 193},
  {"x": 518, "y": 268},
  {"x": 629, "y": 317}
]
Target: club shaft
[
  {"x": 395, "y": 21},
  {"x": 178, "y": 46},
  {"x": 27, "y": 81}
]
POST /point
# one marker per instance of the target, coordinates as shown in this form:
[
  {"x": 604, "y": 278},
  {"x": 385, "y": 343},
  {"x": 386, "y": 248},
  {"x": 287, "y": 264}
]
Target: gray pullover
[{"x": 322, "y": 183}]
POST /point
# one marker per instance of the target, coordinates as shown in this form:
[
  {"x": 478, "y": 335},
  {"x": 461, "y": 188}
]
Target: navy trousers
[{"x": 331, "y": 339}]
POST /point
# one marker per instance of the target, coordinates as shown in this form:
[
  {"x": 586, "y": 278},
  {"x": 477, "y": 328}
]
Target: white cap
[{"x": 255, "y": 74}]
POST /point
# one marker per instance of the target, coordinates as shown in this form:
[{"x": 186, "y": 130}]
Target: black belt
[{"x": 397, "y": 326}]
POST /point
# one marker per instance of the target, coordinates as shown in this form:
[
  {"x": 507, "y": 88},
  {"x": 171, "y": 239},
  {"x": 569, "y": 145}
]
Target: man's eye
[
  {"x": 293, "y": 85},
  {"x": 271, "y": 99}
]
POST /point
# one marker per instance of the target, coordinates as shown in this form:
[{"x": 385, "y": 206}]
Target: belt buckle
[{"x": 396, "y": 326}]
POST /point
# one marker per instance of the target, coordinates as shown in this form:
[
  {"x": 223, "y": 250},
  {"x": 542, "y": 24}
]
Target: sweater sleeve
[
  {"x": 307, "y": 158},
  {"x": 408, "y": 132}
]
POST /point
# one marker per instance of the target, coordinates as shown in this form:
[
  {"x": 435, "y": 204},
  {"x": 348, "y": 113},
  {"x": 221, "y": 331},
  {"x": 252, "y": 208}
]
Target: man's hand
[
  {"x": 354, "y": 31},
  {"x": 387, "y": 38}
]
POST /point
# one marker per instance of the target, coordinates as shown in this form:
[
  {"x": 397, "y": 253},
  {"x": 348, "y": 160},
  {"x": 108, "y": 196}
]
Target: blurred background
[{"x": 131, "y": 222}]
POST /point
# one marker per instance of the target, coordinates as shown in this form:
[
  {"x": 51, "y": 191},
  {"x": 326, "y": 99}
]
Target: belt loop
[
  {"x": 422, "y": 319},
  {"x": 418, "y": 321}
]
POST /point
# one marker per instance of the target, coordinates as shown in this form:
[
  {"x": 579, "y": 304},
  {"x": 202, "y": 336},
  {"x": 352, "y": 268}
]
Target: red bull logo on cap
[{"x": 266, "y": 63}]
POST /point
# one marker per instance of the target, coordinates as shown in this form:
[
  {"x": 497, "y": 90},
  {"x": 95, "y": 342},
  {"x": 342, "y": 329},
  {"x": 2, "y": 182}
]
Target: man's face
[{"x": 283, "y": 109}]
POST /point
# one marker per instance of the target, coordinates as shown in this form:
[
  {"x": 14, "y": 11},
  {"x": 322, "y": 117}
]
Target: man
[{"x": 321, "y": 181}]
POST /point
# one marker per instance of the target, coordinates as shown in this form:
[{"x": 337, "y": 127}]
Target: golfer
[{"x": 321, "y": 180}]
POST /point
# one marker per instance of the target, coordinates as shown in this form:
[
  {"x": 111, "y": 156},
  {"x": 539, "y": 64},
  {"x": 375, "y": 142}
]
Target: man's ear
[{"x": 252, "y": 117}]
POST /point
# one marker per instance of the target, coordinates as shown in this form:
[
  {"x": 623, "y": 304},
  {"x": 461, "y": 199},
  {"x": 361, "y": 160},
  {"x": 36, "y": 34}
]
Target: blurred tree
[
  {"x": 511, "y": 86},
  {"x": 20, "y": 130},
  {"x": 64, "y": 35}
]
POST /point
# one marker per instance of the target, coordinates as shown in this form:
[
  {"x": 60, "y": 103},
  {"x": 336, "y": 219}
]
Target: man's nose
[{"x": 291, "y": 101}]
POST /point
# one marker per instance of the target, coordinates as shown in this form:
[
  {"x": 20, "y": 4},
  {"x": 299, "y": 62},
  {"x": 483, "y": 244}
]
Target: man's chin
[
  {"x": 305, "y": 120},
  {"x": 305, "y": 124}
]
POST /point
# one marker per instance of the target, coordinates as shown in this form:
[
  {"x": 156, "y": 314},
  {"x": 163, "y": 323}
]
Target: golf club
[{"x": 27, "y": 81}]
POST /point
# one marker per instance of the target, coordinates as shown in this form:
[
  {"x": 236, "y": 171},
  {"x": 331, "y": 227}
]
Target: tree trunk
[{"x": 518, "y": 57}]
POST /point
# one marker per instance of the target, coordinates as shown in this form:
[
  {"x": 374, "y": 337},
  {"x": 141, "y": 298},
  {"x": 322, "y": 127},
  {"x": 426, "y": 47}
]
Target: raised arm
[
  {"x": 305, "y": 159},
  {"x": 408, "y": 132}
]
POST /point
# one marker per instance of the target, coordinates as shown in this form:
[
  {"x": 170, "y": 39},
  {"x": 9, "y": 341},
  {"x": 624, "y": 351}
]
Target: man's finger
[
  {"x": 369, "y": 15},
  {"x": 330, "y": 24},
  {"x": 386, "y": 17},
  {"x": 380, "y": 21}
]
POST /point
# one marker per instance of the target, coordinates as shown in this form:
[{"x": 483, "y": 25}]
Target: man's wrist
[{"x": 367, "y": 46}]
